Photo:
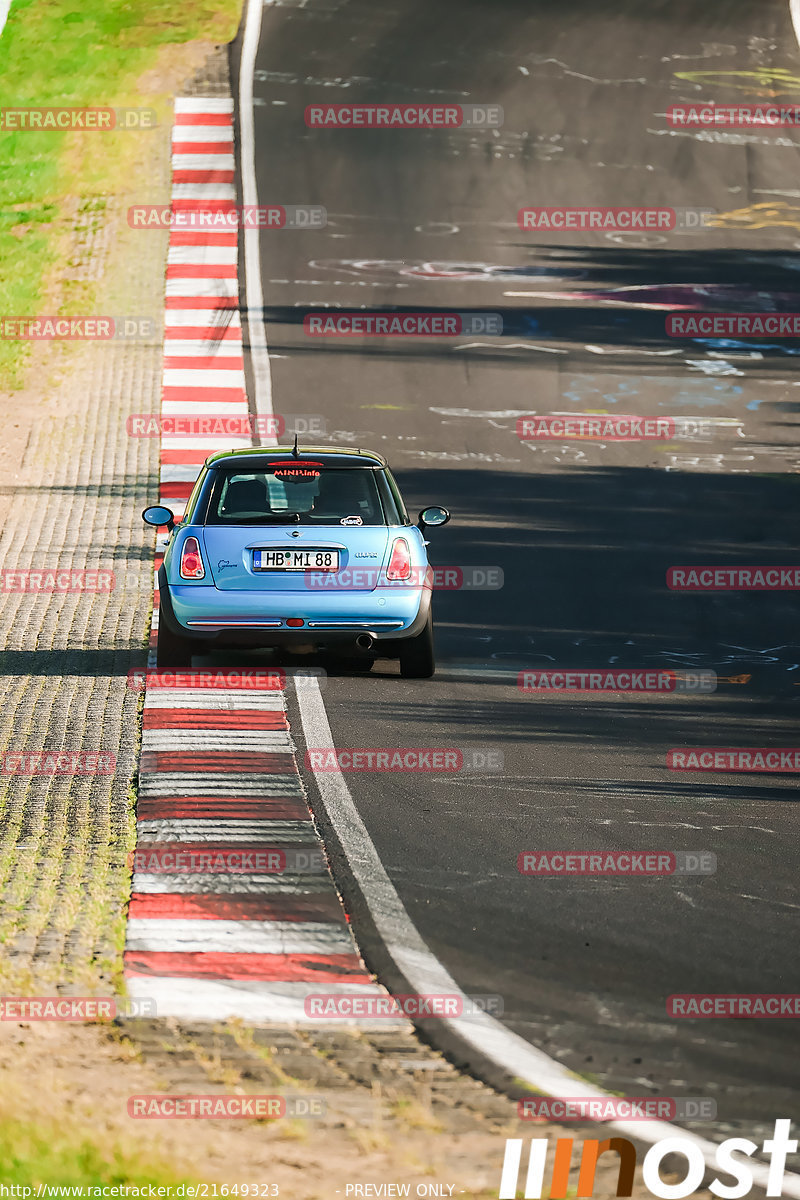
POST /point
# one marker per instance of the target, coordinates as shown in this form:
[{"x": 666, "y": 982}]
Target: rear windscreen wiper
[{"x": 275, "y": 519}]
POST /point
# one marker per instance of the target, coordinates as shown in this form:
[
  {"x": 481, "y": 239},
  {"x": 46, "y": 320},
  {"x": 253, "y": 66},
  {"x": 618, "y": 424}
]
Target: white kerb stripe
[
  {"x": 275, "y": 740},
  {"x": 186, "y": 377},
  {"x": 209, "y": 408},
  {"x": 202, "y": 255},
  {"x": 228, "y": 699},
  {"x": 238, "y": 937},
  {"x": 227, "y": 350},
  {"x": 218, "y": 319},
  {"x": 189, "y": 288},
  {"x": 202, "y": 162},
  {"x": 249, "y": 1000},
  {"x": 203, "y": 104},
  {"x": 202, "y": 133},
  {"x": 185, "y": 829},
  {"x": 164, "y": 785},
  {"x": 205, "y": 445},
  {"x": 315, "y": 881},
  {"x": 177, "y": 473},
  {"x": 208, "y": 411},
  {"x": 203, "y": 191}
]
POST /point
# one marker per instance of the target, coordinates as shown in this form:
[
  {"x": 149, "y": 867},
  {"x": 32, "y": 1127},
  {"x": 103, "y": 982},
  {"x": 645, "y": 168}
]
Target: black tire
[
  {"x": 417, "y": 658},
  {"x": 172, "y": 650}
]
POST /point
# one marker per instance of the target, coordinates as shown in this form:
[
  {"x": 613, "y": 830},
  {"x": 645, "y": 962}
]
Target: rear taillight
[
  {"x": 400, "y": 562},
  {"x": 191, "y": 562}
]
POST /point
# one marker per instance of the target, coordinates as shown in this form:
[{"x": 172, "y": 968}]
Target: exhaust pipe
[{"x": 365, "y": 642}]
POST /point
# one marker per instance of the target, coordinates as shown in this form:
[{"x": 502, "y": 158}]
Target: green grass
[
  {"x": 34, "y": 1154},
  {"x": 67, "y": 53}
]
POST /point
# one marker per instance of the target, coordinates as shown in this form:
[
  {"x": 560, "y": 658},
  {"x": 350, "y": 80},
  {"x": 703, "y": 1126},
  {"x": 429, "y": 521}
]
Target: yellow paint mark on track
[
  {"x": 766, "y": 215},
  {"x": 762, "y": 82}
]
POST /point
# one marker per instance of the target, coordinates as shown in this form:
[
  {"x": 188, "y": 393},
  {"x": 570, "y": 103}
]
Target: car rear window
[{"x": 299, "y": 494}]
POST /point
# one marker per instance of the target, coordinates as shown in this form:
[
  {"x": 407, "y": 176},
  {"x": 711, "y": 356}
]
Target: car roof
[{"x": 258, "y": 458}]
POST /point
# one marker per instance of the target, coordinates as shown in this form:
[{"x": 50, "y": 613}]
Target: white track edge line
[
  {"x": 254, "y": 296},
  {"x": 416, "y": 962},
  {"x": 794, "y": 12}
]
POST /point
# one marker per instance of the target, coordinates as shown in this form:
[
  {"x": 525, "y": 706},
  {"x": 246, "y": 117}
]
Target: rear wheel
[
  {"x": 417, "y": 659},
  {"x": 172, "y": 650}
]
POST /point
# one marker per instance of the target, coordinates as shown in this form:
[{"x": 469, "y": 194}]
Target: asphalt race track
[{"x": 583, "y": 532}]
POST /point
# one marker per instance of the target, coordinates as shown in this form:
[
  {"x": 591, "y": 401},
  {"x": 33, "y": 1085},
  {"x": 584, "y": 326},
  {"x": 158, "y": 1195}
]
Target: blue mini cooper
[{"x": 310, "y": 551}]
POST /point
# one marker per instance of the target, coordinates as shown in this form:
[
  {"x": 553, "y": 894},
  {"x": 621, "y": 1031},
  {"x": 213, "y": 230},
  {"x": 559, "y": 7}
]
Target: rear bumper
[{"x": 253, "y": 619}]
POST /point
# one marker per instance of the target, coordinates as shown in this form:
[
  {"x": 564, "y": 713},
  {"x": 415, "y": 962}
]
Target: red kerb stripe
[{"x": 318, "y": 969}]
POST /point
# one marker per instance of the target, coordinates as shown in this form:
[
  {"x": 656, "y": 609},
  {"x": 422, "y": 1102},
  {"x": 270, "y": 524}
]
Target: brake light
[
  {"x": 191, "y": 561},
  {"x": 400, "y": 562}
]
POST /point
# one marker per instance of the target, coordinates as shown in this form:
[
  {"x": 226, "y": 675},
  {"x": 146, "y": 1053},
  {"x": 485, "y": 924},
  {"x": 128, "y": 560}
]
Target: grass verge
[
  {"x": 59, "y": 53},
  {"x": 36, "y": 1154}
]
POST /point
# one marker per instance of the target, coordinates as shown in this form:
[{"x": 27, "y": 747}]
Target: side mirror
[
  {"x": 157, "y": 514},
  {"x": 433, "y": 516}
]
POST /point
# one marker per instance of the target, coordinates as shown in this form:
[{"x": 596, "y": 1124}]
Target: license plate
[{"x": 295, "y": 560}]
